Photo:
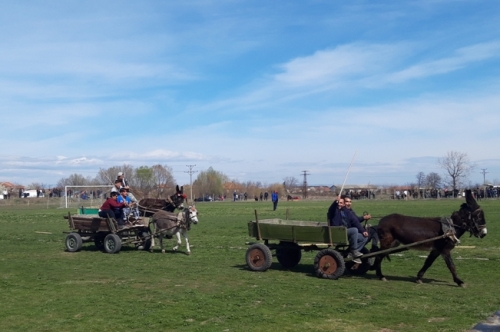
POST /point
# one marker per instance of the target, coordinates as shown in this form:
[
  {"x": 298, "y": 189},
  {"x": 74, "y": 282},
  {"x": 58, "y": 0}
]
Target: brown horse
[
  {"x": 397, "y": 229},
  {"x": 148, "y": 206}
]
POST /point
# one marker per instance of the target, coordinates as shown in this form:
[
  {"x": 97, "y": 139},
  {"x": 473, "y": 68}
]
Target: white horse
[{"x": 170, "y": 223}]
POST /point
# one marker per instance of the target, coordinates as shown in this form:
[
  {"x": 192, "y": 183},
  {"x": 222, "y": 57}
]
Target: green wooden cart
[{"x": 292, "y": 236}]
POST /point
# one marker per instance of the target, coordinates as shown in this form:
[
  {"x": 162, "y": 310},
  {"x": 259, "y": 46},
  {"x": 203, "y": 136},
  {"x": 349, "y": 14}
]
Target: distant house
[
  {"x": 319, "y": 189},
  {"x": 353, "y": 187}
]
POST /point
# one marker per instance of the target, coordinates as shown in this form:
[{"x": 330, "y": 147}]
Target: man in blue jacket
[
  {"x": 274, "y": 198},
  {"x": 339, "y": 215}
]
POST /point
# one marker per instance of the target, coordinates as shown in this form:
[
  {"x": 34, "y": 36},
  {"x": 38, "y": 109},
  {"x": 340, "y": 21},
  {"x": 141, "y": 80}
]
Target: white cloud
[{"x": 461, "y": 58}]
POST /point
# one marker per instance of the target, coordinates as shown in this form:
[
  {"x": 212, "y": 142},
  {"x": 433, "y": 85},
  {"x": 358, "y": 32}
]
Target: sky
[{"x": 363, "y": 92}]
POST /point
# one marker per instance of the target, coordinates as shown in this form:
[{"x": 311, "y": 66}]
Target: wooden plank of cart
[
  {"x": 292, "y": 236},
  {"x": 104, "y": 233}
]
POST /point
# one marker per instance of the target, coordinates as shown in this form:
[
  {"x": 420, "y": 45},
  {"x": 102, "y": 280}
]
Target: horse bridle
[
  {"x": 471, "y": 225},
  {"x": 475, "y": 227},
  {"x": 187, "y": 218}
]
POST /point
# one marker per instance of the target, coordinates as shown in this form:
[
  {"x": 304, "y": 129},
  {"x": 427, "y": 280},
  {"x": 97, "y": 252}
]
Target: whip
[{"x": 348, "y": 170}]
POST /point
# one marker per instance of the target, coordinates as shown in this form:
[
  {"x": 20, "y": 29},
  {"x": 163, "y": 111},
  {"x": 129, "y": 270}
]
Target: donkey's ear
[
  {"x": 182, "y": 189},
  {"x": 177, "y": 188},
  {"x": 471, "y": 201}
]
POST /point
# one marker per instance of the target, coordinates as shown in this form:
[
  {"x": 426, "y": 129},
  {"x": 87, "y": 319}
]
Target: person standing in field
[{"x": 274, "y": 198}]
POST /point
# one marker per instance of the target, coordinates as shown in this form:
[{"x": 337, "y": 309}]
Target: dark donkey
[
  {"x": 148, "y": 206},
  {"x": 397, "y": 229}
]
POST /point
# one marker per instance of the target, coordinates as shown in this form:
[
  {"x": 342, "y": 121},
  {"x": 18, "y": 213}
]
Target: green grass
[{"x": 44, "y": 288}]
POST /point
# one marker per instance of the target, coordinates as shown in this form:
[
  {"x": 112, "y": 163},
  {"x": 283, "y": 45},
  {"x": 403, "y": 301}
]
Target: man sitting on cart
[
  {"x": 112, "y": 209},
  {"x": 338, "y": 215}
]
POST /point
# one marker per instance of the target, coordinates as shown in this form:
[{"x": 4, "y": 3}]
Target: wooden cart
[
  {"x": 105, "y": 234},
  {"x": 293, "y": 236}
]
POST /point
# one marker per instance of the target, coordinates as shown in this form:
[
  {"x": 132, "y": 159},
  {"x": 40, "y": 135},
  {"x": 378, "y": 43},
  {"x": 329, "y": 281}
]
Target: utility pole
[
  {"x": 484, "y": 175},
  {"x": 304, "y": 184},
  {"x": 191, "y": 172}
]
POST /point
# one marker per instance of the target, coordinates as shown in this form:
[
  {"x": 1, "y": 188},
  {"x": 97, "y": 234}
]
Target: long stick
[{"x": 348, "y": 170}]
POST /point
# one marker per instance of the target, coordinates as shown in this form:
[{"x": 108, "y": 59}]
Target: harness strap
[{"x": 449, "y": 229}]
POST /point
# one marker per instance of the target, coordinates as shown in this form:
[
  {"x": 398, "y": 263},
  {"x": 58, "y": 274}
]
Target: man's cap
[
  {"x": 120, "y": 173},
  {"x": 123, "y": 189},
  {"x": 113, "y": 193}
]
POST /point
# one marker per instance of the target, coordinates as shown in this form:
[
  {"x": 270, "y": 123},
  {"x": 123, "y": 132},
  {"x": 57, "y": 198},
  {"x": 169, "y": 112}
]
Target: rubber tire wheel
[
  {"x": 146, "y": 244},
  {"x": 329, "y": 264},
  {"x": 259, "y": 257},
  {"x": 289, "y": 254},
  {"x": 73, "y": 242},
  {"x": 112, "y": 243},
  {"x": 99, "y": 241},
  {"x": 364, "y": 267}
]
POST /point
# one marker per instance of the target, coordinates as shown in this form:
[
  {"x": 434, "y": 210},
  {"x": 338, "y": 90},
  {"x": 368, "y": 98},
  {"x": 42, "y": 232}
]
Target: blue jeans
[{"x": 356, "y": 240}]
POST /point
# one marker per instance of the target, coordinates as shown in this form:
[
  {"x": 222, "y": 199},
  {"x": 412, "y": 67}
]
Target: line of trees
[{"x": 158, "y": 180}]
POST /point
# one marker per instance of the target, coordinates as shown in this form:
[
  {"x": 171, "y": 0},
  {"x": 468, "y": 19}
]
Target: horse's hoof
[
  {"x": 188, "y": 253},
  {"x": 383, "y": 279},
  {"x": 463, "y": 285},
  {"x": 163, "y": 251},
  {"x": 418, "y": 281}
]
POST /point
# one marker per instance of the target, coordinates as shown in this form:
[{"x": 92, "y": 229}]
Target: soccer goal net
[{"x": 84, "y": 196}]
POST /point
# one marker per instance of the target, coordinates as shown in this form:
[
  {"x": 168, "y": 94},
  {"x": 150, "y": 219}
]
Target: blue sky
[{"x": 259, "y": 90}]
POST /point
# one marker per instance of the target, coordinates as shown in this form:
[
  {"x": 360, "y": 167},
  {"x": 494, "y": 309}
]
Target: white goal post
[{"x": 77, "y": 199}]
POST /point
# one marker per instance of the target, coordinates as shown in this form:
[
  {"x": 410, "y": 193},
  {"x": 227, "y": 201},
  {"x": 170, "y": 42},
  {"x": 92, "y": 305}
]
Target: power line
[
  {"x": 191, "y": 172},
  {"x": 484, "y": 175},
  {"x": 304, "y": 184}
]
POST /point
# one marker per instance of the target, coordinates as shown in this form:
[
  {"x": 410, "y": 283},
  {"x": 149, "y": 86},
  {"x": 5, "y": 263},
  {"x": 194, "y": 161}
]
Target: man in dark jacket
[
  {"x": 338, "y": 215},
  {"x": 364, "y": 233}
]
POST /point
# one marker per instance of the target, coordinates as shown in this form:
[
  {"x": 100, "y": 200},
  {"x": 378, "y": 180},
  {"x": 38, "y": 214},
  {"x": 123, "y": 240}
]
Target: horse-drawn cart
[
  {"x": 293, "y": 236},
  {"x": 105, "y": 234}
]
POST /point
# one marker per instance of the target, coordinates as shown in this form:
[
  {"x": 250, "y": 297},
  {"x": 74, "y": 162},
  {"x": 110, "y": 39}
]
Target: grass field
[{"x": 44, "y": 288}]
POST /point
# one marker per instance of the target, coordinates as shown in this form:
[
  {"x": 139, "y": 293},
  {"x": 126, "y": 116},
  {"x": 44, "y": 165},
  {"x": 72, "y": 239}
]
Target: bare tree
[
  {"x": 163, "y": 178},
  {"x": 457, "y": 166},
  {"x": 433, "y": 180},
  {"x": 289, "y": 183},
  {"x": 108, "y": 176},
  {"x": 73, "y": 180},
  {"x": 420, "y": 179}
]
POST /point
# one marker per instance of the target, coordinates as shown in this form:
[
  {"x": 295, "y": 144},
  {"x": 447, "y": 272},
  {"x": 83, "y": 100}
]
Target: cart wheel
[
  {"x": 112, "y": 243},
  {"x": 99, "y": 241},
  {"x": 259, "y": 257},
  {"x": 146, "y": 244},
  {"x": 73, "y": 242},
  {"x": 329, "y": 264},
  {"x": 288, "y": 254},
  {"x": 362, "y": 268}
]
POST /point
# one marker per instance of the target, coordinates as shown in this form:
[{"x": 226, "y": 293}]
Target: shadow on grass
[
  {"x": 308, "y": 270},
  {"x": 127, "y": 248}
]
